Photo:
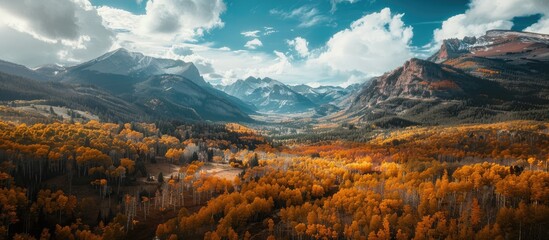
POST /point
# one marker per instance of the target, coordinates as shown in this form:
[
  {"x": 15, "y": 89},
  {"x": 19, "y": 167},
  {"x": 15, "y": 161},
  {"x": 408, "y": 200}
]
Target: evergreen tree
[
  {"x": 254, "y": 162},
  {"x": 160, "y": 177}
]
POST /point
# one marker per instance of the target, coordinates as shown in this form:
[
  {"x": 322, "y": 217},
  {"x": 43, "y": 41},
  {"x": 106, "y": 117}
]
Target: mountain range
[
  {"x": 499, "y": 76},
  {"x": 160, "y": 88},
  {"x": 271, "y": 96}
]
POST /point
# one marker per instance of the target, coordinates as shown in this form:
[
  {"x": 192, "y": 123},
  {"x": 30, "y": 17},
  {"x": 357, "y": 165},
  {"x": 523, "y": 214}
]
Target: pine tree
[
  {"x": 160, "y": 177},
  {"x": 254, "y": 162}
]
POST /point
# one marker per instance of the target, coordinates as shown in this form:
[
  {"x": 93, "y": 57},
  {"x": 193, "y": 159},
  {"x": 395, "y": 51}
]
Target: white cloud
[
  {"x": 484, "y": 15},
  {"x": 172, "y": 16},
  {"x": 256, "y": 33},
  {"x": 253, "y": 34},
  {"x": 177, "y": 21},
  {"x": 118, "y": 19},
  {"x": 58, "y": 31},
  {"x": 253, "y": 44},
  {"x": 542, "y": 26},
  {"x": 335, "y": 2},
  {"x": 307, "y": 16},
  {"x": 48, "y": 18},
  {"x": 182, "y": 50},
  {"x": 373, "y": 44},
  {"x": 461, "y": 26},
  {"x": 300, "y": 45},
  {"x": 353, "y": 79},
  {"x": 268, "y": 31}
]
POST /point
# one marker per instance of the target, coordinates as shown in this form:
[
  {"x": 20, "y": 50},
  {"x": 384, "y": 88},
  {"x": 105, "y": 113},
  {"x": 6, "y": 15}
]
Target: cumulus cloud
[
  {"x": 58, "y": 31},
  {"x": 373, "y": 44},
  {"x": 49, "y": 18},
  {"x": 300, "y": 45},
  {"x": 165, "y": 23},
  {"x": 171, "y": 16},
  {"x": 253, "y": 44},
  {"x": 307, "y": 16},
  {"x": 542, "y": 26},
  {"x": 484, "y": 15},
  {"x": 119, "y": 20}
]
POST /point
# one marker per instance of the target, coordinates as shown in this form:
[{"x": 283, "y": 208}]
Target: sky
[{"x": 314, "y": 42}]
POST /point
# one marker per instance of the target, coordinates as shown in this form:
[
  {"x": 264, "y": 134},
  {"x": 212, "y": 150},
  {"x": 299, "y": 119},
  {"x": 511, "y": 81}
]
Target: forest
[{"x": 100, "y": 180}]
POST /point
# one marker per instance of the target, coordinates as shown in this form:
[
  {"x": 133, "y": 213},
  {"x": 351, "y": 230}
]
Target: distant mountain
[
  {"x": 269, "y": 95},
  {"x": 178, "y": 92},
  {"x": 500, "y": 76},
  {"x": 51, "y": 71},
  {"x": 22, "y": 71},
  {"x": 323, "y": 94},
  {"x": 84, "y": 98}
]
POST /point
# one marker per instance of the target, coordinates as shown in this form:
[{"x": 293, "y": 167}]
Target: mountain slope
[
  {"x": 176, "y": 96},
  {"x": 518, "y": 61},
  {"x": 21, "y": 71},
  {"x": 269, "y": 95},
  {"x": 430, "y": 93},
  {"x": 502, "y": 75},
  {"x": 496, "y": 44},
  {"x": 106, "y": 106},
  {"x": 122, "y": 62},
  {"x": 124, "y": 74}
]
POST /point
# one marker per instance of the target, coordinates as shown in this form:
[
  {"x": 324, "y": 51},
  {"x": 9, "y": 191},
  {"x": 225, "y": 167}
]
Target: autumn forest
[{"x": 98, "y": 180}]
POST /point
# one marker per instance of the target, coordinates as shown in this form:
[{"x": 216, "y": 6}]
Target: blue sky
[
  {"x": 321, "y": 42},
  {"x": 249, "y": 15}
]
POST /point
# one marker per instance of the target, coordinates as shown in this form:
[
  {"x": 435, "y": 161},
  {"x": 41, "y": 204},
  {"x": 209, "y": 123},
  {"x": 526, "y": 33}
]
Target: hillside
[
  {"x": 471, "y": 83},
  {"x": 126, "y": 76},
  {"x": 19, "y": 90}
]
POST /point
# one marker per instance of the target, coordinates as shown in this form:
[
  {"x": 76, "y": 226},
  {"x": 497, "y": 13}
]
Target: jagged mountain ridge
[
  {"x": 269, "y": 95},
  {"x": 502, "y": 44},
  {"x": 322, "y": 94},
  {"x": 135, "y": 65},
  {"x": 516, "y": 60}
]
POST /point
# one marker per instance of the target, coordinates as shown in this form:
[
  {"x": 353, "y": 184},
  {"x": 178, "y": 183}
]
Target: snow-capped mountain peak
[
  {"x": 269, "y": 95},
  {"x": 126, "y": 63}
]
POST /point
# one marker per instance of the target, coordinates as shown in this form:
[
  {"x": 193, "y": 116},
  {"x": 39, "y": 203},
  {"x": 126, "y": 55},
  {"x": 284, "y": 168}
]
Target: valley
[{"x": 130, "y": 146}]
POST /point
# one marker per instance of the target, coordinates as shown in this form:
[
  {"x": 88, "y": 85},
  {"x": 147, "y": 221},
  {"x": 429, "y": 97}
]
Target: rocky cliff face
[
  {"x": 499, "y": 76},
  {"x": 418, "y": 79},
  {"x": 495, "y": 44},
  {"x": 453, "y": 48}
]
